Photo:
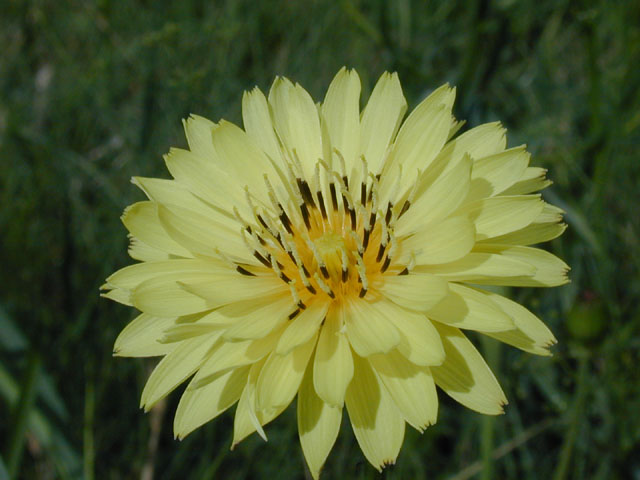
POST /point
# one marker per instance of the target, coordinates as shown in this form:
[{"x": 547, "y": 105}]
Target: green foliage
[{"x": 93, "y": 93}]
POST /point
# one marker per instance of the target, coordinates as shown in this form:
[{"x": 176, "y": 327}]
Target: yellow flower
[{"x": 335, "y": 255}]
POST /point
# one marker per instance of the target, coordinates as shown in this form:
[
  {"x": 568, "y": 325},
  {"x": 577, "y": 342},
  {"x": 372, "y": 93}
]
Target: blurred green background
[{"x": 92, "y": 92}]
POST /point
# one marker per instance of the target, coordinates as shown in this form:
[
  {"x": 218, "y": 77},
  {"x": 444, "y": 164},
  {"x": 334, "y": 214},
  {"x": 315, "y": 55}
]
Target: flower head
[{"x": 334, "y": 255}]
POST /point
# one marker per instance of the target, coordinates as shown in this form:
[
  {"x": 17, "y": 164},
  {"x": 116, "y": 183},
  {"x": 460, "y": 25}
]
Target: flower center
[{"x": 327, "y": 239}]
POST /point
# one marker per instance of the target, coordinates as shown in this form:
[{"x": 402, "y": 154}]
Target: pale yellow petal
[
  {"x": 227, "y": 355},
  {"x": 138, "y": 250},
  {"x": 175, "y": 368},
  {"x": 415, "y": 291},
  {"x": 318, "y": 425},
  {"x": 131, "y": 276},
  {"x": 247, "y": 419},
  {"x": 469, "y": 308},
  {"x": 119, "y": 295},
  {"x": 256, "y": 318},
  {"x": 234, "y": 287},
  {"x": 257, "y": 123},
  {"x": 140, "y": 337},
  {"x": 171, "y": 192},
  {"x": 442, "y": 198},
  {"x": 550, "y": 271},
  {"x": 419, "y": 340},
  {"x": 375, "y": 419},
  {"x": 206, "y": 179},
  {"x": 341, "y": 115},
  {"x": 198, "y": 131},
  {"x": 533, "y": 180},
  {"x": 164, "y": 296},
  {"x": 465, "y": 376},
  {"x": 530, "y": 335},
  {"x": 369, "y": 330},
  {"x": 333, "y": 363},
  {"x": 499, "y": 215},
  {"x": 302, "y": 327},
  {"x": 420, "y": 139},
  {"x": 478, "y": 142},
  {"x": 531, "y": 234},
  {"x": 203, "y": 235},
  {"x": 200, "y": 405},
  {"x": 185, "y": 331},
  {"x": 281, "y": 376},
  {"x": 243, "y": 159},
  {"x": 482, "y": 268},
  {"x": 450, "y": 240},
  {"x": 411, "y": 387},
  {"x": 141, "y": 219},
  {"x": 381, "y": 119},
  {"x": 494, "y": 174},
  {"x": 297, "y": 123}
]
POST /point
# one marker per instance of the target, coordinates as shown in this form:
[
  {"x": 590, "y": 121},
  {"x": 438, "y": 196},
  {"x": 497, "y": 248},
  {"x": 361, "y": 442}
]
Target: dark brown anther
[
  {"x": 244, "y": 271},
  {"x": 290, "y": 253},
  {"x": 280, "y": 266},
  {"x": 352, "y": 214},
  {"x": 311, "y": 289},
  {"x": 345, "y": 205},
  {"x": 325, "y": 272},
  {"x": 322, "y": 207},
  {"x": 387, "y": 216},
  {"x": 305, "y": 215},
  {"x": 284, "y": 277},
  {"x": 285, "y": 221},
  {"x": 345, "y": 275},
  {"x": 261, "y": 240},
  {"x": 405, "y": 207},
  {"x": 404, "y": 272},
  {"x": 249, "y": 229},
  {"x": 331, "y": 294},
  {"x": 363, "y": 193},
  {"x": 380, "y": 252},
  {"x": 306, "y": 272},
  {"x": 334, "y": 198},
  {"x": 262, "y": 222},
  {"x": 294, "y": 313},
  {"x": 362, "y": 293},
  {"x": 365, "y": 238},
  {"x": 345, "y": 180},
  {"x": 301, "y": 305},
  {"x": 262, "y": 260},
  {"x": 303, "y": 186},
  {"x": 385, "y": 265}
]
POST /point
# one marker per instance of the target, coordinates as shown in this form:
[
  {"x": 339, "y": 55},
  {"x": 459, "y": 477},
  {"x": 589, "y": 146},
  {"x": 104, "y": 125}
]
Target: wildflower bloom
[{"x": 335, "y": 255}]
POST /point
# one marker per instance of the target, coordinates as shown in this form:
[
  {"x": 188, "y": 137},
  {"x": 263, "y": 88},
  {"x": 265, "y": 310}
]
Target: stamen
[
  {"x": 356, "y": 238},
  {"x": 334, "y": 198},
  {"x": 362, "y": 273},
  {"x": 325, "y": 288},
  {"x": 323, "y": 209},
  {"x": 303, "y": 186},
  {"x": 294, "y": 313},
  {"x": 319, "y": 260},
  {"x": 277, "y": 268},
  {"x": 345, "y": 265},
  {"x": 244, "y": 271},
  {"x": 296, "y": 296},
  {"x": 305, "y": 215}
]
